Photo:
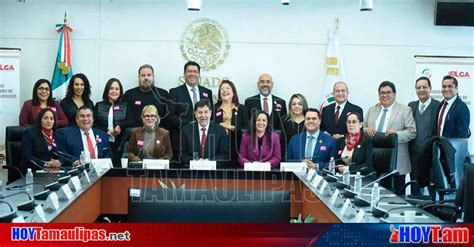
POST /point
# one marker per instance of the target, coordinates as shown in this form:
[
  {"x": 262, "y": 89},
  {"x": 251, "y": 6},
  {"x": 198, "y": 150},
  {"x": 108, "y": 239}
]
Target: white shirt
[
  {"x": 190, "y": 91},
  {"x": 341, "y": 108},
  {"x": 86, "y": 147},
  {"x": 200, "y": 131},
  {"x": 445, "y": 113},
  {"x": 427, "y": 103},
  {"x": 110, "y": 122},
  {"x": 387, "y": 117},
  {"x": 315, "y": 141},
  {"x": 270, "y": 103}
]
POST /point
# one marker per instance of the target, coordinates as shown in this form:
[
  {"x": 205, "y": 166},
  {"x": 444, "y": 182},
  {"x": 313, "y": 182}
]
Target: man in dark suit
[
  {"x": 184, "y": 98},
  {"x": 334, "y": 116},
  {"x": 265, "y": 101},
  {"x": 82, "y": 137},
  {"x": 203, "y": 138},
  {"x": 313, "y": 147},
  {"x": 453, "y": 114},
  {"x": 424, "y": 111}
]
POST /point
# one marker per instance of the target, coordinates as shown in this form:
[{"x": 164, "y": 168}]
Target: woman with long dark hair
[
  {"x": 78, "y": 94},
  {"x": 38, "y": 145},
  {"x": 260, "y": 144},
  {"x": 41, "y": 99}
]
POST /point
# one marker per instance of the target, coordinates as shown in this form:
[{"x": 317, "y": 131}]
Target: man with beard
[
  {"x": 265, "y": 101},
  {"x": 147, "y": 94}
]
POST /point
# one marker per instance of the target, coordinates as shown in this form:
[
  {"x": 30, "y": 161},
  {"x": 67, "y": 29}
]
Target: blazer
[
  {"x": 122, "y": 116},
  {"x": 216, "y": 147},
  {"x": 278, "y": 109},
  {"x": 70, "y": 108},
  {"x": 328, "y": 114},
  {"x": 416, "y": 144},
  {"x": 69, "y": 141},
  {"x": 324, "y": 149},
  {"x": 456, "y": 124},
  {"x": 42, "y": 154},
  {"x": 184, "y": 108},
  {"x": 361, "y": 156},
  {"x": 267, "y": 154},
  {"x": 162, "y": 142},
  {"x": 29, "y": 113},
  {"x": 401, "y": 120}
]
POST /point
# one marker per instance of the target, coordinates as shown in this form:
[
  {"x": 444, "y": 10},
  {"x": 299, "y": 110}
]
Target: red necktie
[
  {"x": 265, "y": 105},
  {"x": 440, "y": 118},
  {"x": 336, "y": 115},
  {"x": 90, "y": 146},
  {"x": 203, "y": 141}
]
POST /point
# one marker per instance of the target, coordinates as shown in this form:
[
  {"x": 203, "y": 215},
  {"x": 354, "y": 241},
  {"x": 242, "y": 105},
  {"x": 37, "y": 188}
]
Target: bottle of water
[
  {"x": 375, "y": 195},
  {"x": 358, "y": 183},
  {"x": 332, "y": 165},
  {"x": 82, "y": 158},
  {"x": 29, "y": 181},
  {"x": 346, "y": 176}
]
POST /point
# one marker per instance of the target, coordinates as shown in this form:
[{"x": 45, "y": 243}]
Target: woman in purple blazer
[{"x": 260, "y": 144}]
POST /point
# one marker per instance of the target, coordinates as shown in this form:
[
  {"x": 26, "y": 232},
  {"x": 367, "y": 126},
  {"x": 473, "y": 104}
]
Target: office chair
[
  {"x": 384, "y": 159},
  {"x": 461, "y": 146},
  {"x": 13, "y": 135}
]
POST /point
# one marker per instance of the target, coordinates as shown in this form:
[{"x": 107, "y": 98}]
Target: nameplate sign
[
  {"x": 103, "y": 164},
  {"x": 94, "y": 172},
  {"x": 52, "y": 202},
  {"x": 336, "y": 199},
  {"x": 38, "y": 215},
  {"x": 257, "y": 166},
  {"x": 18, "y": 219},
  {"x": 65, "y": 193},
  {"x": 323, "y": 187},
  {"x": 347, "y": 209},
  {"x": 156, "y": 164},
  {"x": 310, "y": 174},
  {"x": 360, "y": 216},
  {"x": 316, "y": 181},
  {"x": 85, "y": 180},
  {"x": 202, "y": 165},
  {"x": 135, "y": 192},
  {"x": 296, "y": 167},
  {"x": 75, "y": 184}
]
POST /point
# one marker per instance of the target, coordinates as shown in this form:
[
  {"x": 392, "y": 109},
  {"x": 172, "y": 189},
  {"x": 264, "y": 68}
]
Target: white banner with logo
[
  {"x": 462, "y": 68},
  {"x": 9, "y": 90}
]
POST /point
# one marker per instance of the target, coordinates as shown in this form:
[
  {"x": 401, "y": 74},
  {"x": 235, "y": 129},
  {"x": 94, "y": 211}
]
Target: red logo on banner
[
  {"x": 462, "y": 74},
  {"x": 7, "y": 67}
]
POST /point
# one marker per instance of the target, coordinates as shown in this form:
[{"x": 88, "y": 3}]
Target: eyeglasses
[
  {"x": 43, "y": 89},
  {"x": 149, "y": 116},
  {"x": 352, "y": 121}
]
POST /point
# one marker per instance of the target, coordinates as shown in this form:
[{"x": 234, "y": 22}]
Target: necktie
[
  {"x": 90, "y": 146},
  {"x": 336, "y": 115},
  {"x": 203, "y": 141},
  {"x": 195, "y": 98},
  {"x": 440, "y": 118},
  {"x": 422, "y": 108},
  {"x": 265, "y": 105},
  {"x": 309, "y": 148},
  {"x": 382, "y": 120}
]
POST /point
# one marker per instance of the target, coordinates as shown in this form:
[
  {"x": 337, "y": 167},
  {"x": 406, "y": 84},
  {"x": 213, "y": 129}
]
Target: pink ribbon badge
[
  {"x": 218, "y": 113},
  {"x": 140, "y": 143},
  {"x": 138, "y": 102},
  {"x": 205, "y": 94},
  {"x": 97, "y": 138},
  {"x": 278, "y": 105},
  {"x": 53, "y": 109},
  {"x": 117, "y": 107},
  {"x": 323, "y": 148}
]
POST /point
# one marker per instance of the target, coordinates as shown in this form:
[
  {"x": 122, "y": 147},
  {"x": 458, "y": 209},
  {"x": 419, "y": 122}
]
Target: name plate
[
  {"x": 202, "y": 165},
  {"x": 257, "y": 166},
  {"x": 336, "y": 199},
  {"x": 347, "y": 209},
  {"x": 103, "y": 164},
  {"x": 135, "y": 192},
  {"x": 316, "y": 181},
  {"x": 310, "y": 174},
  {"x": 296, "y": 167},
  {"x": 38, "y": 215},
  {"x": 323, "y": 187},
  {"x": 156, "y": 164},
  {"x": 85, "y": 180},
  {"x": 94, "y": 172},
  {"x": 75, "y": 184},
  {"x": 52, "y": 202},
  {"x": 360, "y": 216},
  {"x": 65, "y": 193},
  {"x": 18, "y": 219}
]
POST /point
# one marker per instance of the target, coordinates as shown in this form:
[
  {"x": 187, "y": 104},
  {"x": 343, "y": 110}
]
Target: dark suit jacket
[
  {"x": 37, "y": 153},
  {"x": 324, "y": 149},
  {"x": 415, "y": 143},
  {"x": 327, "y": 118},
  {"x": 70, "y": 108},
  {"x": 361, "y": 156},
  {"x": 456, "y": 124},
  {"x": 162, "y": 142},
  {"x": 29, "y": 113},
  {"x": 216, "y": 148},
  {"x": 278, "y": 109},
  {"x": 69, "y": 141},
  {"x": 250, "y": 153},
  {"x": 184, "y": 108}
]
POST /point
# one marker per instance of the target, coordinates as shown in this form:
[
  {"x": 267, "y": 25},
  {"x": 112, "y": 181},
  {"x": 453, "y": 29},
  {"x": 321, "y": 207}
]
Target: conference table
[{"x": 107, "y": 194}]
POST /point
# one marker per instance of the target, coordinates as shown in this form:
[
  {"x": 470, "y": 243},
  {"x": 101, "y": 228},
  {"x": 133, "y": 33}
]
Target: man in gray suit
[
  {"x": 425, "y": 113},
  {"x": 390, "y": 117}
]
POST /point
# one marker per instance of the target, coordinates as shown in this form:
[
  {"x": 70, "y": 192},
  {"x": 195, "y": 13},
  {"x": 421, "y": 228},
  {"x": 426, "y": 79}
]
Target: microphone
[
  {"x": 69, "y": 158},
  {"x": 8, "y": 167},
  {"x": 359, "y": 201},
  {"x": 340, "y": 185},
  {"x": 360, "y": 169},
  {"x": 41, "y": 195},
  {"x": 7, "y": 217},
  {"x": 62, "y": 180},
  {"x": 73, "y": 171},
  {"x": 394, "y": 172},
  {"x": 326, "y": 171},
  {"x": 351, "y": 194},
  {"x": 381, "y": 212},
  {"x": 24, "y": 206},
  {"x": 387, "y": 214}
]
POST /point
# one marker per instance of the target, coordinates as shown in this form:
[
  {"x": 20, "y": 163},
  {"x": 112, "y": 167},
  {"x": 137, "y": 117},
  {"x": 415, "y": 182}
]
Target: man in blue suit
[
  {"x": 453, "y": 114},
  {"x": 313, "y": 147},
  {"x": 82, "y": 137}
]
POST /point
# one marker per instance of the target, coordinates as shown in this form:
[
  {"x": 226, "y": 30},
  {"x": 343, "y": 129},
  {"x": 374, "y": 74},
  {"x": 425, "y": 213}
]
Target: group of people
[{"x": 184, "y": 124}]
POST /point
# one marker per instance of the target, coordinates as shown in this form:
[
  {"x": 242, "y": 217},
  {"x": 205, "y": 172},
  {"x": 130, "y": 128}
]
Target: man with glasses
[
  {"x": 453, "y": 115},
  {"x": 389, "y": 117},
  {"x": 334, "y": 116}
]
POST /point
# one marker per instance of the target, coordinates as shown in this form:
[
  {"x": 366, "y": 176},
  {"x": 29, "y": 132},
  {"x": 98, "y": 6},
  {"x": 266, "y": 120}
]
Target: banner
[
  {"x": 63, "y": 66},
  {"x": 9, "y": 90},
  {"x": 462, "y": 68},
  {"x": 334, "y": 67}
]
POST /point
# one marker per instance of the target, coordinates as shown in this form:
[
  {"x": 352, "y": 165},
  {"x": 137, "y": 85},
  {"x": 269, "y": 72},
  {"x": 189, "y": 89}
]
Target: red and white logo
[
  {"x": 459, "y": 74},
  {"x": 7, "y": 67}
]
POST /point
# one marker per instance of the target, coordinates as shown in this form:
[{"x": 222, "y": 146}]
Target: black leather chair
[
  {"x": 461, "y": 146},
  {"x": 468, "y": 201},
  {"x": 13, "y": 135},
  {"x": 384, "y": 157}
]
